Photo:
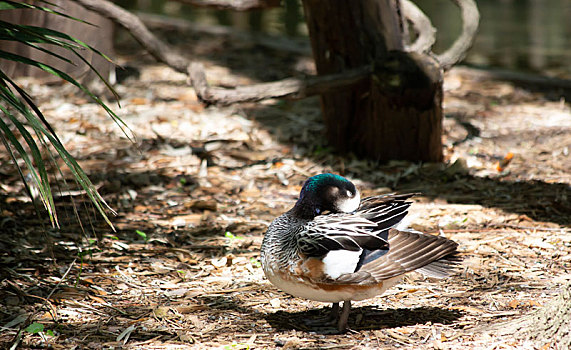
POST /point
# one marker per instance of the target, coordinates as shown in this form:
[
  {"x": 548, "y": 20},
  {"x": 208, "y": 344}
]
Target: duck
[{"x": 332, "y": 246}]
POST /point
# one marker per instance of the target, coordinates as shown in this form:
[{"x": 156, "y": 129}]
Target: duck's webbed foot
[
  {"x": 325, "y": 321},
  {"x": 334, "y": 318}
]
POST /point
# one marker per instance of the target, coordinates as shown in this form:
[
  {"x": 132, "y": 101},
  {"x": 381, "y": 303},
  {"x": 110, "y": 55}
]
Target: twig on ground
[
  {"x": 517, "y": 77},
  {"x": 537, "y": 228}
]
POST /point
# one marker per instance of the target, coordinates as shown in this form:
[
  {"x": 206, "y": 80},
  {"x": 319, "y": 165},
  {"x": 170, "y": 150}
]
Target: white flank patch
[
  {"x": 338, "y": 262},
  {"x": 350, "y": 205}
]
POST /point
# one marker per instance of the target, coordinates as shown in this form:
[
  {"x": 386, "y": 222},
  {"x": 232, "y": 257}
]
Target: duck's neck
[
  {"x": 302, "y": 210},
  {"x": 279, "y": 246}
]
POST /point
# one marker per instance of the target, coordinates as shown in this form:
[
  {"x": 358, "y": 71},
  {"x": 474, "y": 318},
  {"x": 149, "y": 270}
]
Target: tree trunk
[
  {"x": 398, "y": 113},
  {"x": 552, "y": 325},
  {"x": 547, "y": 328},
  {"x": 99, "y": 35}
]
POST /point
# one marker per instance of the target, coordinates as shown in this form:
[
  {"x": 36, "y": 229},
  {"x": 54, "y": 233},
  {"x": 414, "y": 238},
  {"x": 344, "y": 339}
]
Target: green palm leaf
[{"x": 20, "y": 115}]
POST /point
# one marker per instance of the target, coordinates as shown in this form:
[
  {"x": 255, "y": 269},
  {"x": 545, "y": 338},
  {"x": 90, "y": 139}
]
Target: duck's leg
[
  {"x": 342, "y": 325},
  {"x": 334, "y": 311}
]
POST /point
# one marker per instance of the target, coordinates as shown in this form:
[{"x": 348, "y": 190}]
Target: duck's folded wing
[
  {"x": 384, "y": 203},
  {"x": 435, "y": 256},
  {"x": 339, "y": 232},
  {"x": 387, "y": 211},
  {"x": 410, "y": 251},
  {"x": 367, "y": 228}
]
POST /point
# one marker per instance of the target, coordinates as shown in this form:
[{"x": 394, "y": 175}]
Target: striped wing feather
[
  {"x": 434, "y": 256},
  {"x": 385, "y": 210},
  {"x": 410, "y": 251},
  {"x": 367, "y": 228},
  {"x": 338, "y": 232}
]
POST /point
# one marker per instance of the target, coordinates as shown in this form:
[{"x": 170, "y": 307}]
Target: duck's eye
[
  {"x": 317, "y": 211},
  {"x": 349, "y": 193}
]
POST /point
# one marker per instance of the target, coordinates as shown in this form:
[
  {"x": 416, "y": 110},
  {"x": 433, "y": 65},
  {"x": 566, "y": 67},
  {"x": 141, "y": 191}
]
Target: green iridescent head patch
[{"x": 315, "y": 181}]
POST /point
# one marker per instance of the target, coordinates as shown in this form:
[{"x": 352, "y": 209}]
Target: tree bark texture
[
  {"x": 547, "y": 328},
  {"x": 99, "y": 35},
  {"x": 397, "y": 114},
  {"x": 552, "y": 325}
]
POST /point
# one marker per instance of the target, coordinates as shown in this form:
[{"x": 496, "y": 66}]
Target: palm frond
[
  {"x": 20, "y": 115},
  {"x": 15, "y": 5}
]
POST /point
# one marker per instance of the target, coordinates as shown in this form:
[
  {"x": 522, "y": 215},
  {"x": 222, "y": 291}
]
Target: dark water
[{"x": 525, "y": 35}]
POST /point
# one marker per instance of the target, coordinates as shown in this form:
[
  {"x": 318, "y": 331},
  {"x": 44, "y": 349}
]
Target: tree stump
[
  {"x": 548, "y": 327},
  {"x": 398, "y": 113}
]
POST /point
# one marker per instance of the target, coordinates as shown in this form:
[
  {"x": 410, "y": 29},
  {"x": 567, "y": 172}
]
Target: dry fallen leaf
[{"x": 275, "y": 303}]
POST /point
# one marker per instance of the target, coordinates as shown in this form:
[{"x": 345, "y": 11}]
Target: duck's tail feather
[
  {"x": 409, "y": 251},
  {"x": 441, "y": 268}
]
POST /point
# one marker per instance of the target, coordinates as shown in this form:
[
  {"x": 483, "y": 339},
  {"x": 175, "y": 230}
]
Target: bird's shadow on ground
[{"x": 363, "y": 318}]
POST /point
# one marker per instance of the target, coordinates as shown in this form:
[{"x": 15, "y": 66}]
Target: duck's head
[{"x": 326, "y": 192}]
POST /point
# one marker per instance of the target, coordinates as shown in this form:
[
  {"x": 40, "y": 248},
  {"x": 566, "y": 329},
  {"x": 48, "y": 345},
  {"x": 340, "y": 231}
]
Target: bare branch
[
  {"x": 470, "y": 20},
  {"x": 235, "y": 5},
  {"x": 288, "y": 88},
  {"x": 292, "y": 88},
  {"x": 159, "y": 50},
  {"x": 422, "y": 26}
]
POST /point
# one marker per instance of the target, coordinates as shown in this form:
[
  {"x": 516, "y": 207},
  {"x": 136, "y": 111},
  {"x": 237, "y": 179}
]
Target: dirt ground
[{"x": 196, "y": 190}]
